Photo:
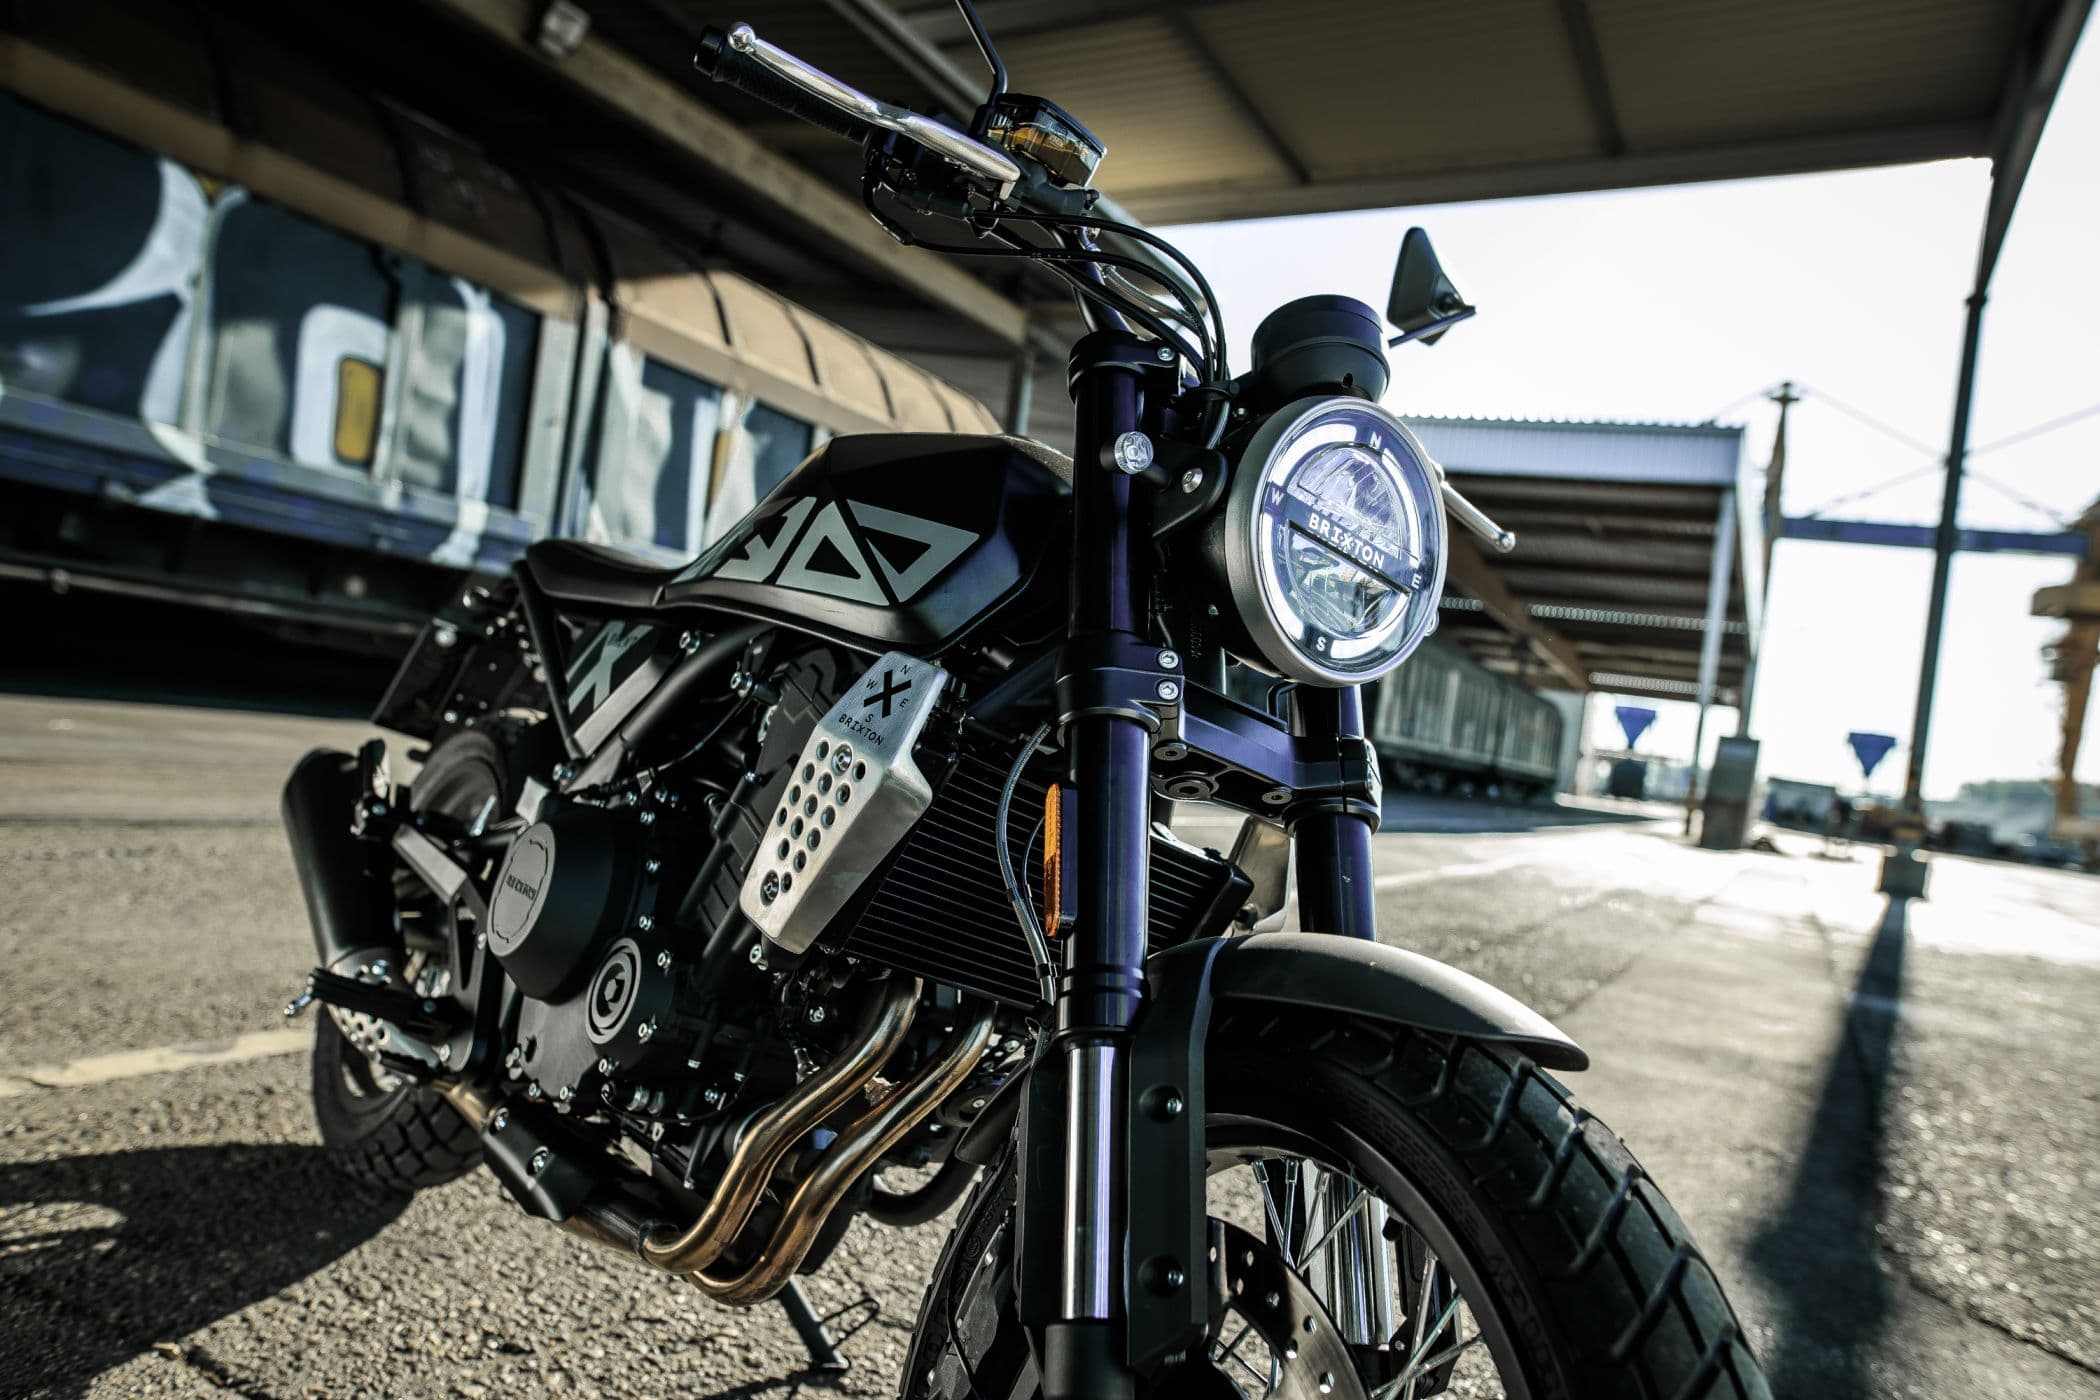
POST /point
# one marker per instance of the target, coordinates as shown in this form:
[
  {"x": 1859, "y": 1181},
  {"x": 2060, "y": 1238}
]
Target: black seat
[{"x": 597, "y": 579}]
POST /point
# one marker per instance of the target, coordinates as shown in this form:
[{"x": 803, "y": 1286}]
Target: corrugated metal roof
[
  {"x": 1616, "y": 526},
  {"x": 1702, "y": 455},
  {"x": 1361, "y": 105}
]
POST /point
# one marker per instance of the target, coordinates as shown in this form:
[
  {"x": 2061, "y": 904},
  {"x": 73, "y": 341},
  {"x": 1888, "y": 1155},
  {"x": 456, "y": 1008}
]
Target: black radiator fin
[{"x": 941, "y": 911}]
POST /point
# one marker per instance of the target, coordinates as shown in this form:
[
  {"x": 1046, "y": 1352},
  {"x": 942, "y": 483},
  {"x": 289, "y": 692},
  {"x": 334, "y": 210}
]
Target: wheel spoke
[
  {"x": 1356, "y": 1206},
  {"x": 1411, "y": 1377}
]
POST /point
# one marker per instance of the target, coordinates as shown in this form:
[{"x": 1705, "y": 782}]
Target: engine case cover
[{"x": 565, "y": 884}]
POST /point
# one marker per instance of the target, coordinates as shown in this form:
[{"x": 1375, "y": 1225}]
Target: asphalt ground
[{"x": 1883, "y": 1123}]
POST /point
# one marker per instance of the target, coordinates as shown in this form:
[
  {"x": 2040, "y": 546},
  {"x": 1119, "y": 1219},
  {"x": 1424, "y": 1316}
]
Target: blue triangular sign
[
  {"x": 1870, "y": 749},
  {"x": 1634, "y": 721}
]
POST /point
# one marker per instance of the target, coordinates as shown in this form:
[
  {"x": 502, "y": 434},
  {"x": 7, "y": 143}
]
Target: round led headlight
[{"x": 1334, "y": 541}]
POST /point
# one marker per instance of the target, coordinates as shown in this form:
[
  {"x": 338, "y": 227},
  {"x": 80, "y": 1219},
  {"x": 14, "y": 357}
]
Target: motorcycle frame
[{"x": 1110, "y": 1230}]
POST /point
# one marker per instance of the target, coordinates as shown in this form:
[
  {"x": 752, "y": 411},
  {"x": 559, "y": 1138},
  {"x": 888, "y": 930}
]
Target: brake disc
[{"x": 1304, "y": 1357}]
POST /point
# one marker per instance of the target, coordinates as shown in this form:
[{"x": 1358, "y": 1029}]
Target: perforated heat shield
[{"x": 855, "y": 794}]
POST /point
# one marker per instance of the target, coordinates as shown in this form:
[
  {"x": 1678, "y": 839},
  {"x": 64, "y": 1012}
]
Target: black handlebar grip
[{"x": 725, "y": 65}]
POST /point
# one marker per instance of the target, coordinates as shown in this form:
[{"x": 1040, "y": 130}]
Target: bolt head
[
  {"x": 444, "y": 1054},
  {"x": 539, "y": 1160},
  {"x": 1327, "y": 1382},
  {"x": 645, "y": 922},
  {"x": 713, "y": 1098},
  {"x": 481, "y": 939},
  {"x": 1276, "y": 797},
  {"x": 1166, "y": 354},
  {"x": 651, "y": 866},
  {"x": 1173, "y": 1106},
  {"x": 1174, "y": 1278},
  {"x": 568, "y": 1092},
  {"x": 645, "y": 1030},
  {"x": 648, "y": 819},
  {"x": 1168, "y": 660},
  {"x": 1132, "y": 453},
  {"x": 663, "y": 960},
  {"x": 1168, "y": 690},
  {"x": 500, "y": 1121},
  {"x": 758, "y": 955},
  {"x": 1192, "y": 480},
  {"x": 817, "y": 1015},
  {"x": 605, "y": 1066}
]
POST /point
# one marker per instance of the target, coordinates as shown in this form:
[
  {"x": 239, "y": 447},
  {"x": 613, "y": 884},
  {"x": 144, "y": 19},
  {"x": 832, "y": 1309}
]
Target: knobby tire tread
[{"x": 1613, "y": 1288}]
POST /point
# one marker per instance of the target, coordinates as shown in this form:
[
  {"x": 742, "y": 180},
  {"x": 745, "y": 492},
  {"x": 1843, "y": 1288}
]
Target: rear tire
[
  {"x": 1592, "y": 1282},
  {"x": 396, "y": 1137},
  {"x": 379, "y": 1130}
]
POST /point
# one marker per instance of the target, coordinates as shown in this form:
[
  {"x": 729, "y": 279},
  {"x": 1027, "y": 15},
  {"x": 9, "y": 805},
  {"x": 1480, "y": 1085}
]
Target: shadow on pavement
[
  {"x": 1820, "y": 1257},
  {"x": 103, "y": 1256}
]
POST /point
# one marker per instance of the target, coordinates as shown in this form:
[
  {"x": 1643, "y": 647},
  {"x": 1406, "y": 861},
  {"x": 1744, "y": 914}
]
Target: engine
[{"x": 638, "y": 923}]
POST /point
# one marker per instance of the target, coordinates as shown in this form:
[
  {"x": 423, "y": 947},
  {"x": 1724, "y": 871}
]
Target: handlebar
[{"x": 778, "y": 78}]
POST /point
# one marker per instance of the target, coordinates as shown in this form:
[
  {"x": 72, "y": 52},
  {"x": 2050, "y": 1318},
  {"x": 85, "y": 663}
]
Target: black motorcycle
[{"x": 827, "y": 877}]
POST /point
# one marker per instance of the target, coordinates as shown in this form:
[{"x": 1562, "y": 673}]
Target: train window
[
  {"x": 768, "y": 445},
  {"x": 95, "y": 292},
  {"x": 357, "y": 409},
  {"x": 290, "y": 302},
  {"x": 656, "y": 455},
  {"x": 466, "y": 396},
  {"x": 778, "y": 445}
]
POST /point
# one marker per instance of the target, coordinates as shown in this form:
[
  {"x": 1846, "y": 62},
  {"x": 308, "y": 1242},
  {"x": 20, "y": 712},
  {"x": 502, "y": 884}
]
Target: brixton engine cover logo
[{"x": 519, "y": 887}]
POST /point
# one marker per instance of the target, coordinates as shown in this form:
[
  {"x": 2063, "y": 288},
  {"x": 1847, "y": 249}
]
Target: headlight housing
[{"x": 1333, "y": 541}]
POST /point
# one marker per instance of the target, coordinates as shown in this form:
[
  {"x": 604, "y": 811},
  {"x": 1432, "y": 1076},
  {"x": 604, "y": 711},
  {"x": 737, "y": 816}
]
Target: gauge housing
[{"x": 1332, "y": 542}]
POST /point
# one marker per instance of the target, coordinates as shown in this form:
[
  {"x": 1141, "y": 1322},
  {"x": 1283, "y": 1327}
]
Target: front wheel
[{"x": 1410, "y": 1215}]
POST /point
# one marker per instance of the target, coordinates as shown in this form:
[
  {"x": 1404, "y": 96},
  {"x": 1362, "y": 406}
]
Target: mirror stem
[{"x": 990, "y": 51}]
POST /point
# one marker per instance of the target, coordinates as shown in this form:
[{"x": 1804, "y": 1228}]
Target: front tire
[{"x": 1579, "y": 1276}]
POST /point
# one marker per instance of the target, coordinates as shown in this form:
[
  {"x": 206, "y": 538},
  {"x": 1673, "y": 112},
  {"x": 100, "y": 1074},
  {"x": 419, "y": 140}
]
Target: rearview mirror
[{"x": 1424, "y": 304}]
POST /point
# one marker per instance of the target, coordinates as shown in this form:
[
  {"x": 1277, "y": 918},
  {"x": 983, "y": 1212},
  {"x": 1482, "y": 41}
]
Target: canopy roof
[
  {"x": 1618, "y": 526},
  {"x": 1228, "y": 109}
]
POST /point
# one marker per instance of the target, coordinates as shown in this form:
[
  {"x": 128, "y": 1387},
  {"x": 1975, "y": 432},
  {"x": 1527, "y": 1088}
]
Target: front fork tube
[
  {"x": 1103, "y": 988},
  {"x": 1337, "y": 894},
  {"x": 1102, "y": 985}
]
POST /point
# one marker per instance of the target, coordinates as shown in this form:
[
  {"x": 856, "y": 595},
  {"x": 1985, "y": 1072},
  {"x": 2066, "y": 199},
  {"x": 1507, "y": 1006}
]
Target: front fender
[
  {"x": 1163, "y": 1209},
  {"x": 1360, "y": 978}
]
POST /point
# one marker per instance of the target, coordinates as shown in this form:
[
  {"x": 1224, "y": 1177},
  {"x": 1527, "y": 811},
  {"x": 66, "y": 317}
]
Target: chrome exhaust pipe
[
  {"x": 769, "y": 1137},
  {"x": 857, "y": 1149},
  {"x": 629, "y": 1225}
]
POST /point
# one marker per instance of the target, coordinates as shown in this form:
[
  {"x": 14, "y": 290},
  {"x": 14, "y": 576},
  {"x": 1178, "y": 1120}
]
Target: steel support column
[{"x": 1720, "y": 568}]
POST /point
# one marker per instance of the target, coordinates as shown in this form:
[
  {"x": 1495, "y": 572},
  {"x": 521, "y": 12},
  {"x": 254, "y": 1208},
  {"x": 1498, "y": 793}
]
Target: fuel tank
[{"x": 902, "y": 540}]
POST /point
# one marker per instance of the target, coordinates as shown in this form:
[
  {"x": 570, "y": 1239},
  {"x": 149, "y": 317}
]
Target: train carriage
[
  {"x": 1444, "y": 721},
  {"x": 315, "y": 366}
]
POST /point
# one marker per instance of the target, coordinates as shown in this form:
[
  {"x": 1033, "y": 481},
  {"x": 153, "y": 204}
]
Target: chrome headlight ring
[{"x": 1334, "y": 541}]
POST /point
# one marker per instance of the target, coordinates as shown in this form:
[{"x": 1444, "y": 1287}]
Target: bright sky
[{"x": 1667, "y": 305}]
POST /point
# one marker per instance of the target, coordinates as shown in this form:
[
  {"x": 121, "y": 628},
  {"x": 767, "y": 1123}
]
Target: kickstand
[{"x": 823, "y": 1351}]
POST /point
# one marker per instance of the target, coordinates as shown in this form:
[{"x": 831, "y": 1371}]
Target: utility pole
[
  {"x": 1775, "y": 525},
  {"x": 1775, "y": 476}
]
